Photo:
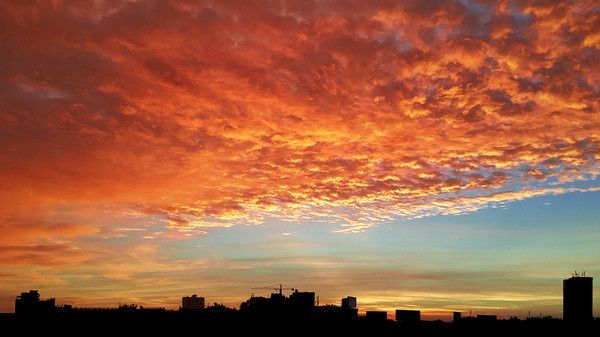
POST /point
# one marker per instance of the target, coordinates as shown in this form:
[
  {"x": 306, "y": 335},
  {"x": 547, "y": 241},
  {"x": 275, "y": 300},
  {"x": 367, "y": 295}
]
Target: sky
[{"x": 440, "y": 155}]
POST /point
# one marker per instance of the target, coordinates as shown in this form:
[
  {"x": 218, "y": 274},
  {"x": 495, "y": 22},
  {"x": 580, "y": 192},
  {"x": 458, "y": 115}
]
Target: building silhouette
[
  {"x": 487, "y": 318},
  {"x": 349, "y": 302},
  {"x": 302, "y": 299},
  {"x": 29, "y": 304},
  {"x": 279, "y": 304},
  {"x": 374, "y": 315},
  {"x": 193, "y": 302},
  {"x": 456, "y": 316},
  {"x": 408, "y": 316},
  {"x": 578, "y": 298}
]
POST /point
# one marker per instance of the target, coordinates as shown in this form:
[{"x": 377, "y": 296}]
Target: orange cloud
[
  {"x": 42, "y": 255},
  {"x": 210, "y": 115}
]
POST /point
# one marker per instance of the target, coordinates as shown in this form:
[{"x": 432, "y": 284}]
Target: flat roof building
[
  {"x": 578, "y": 298},
  {"x": 302, "y": 299},
  {"x": 376, "y": 315},
  {"x": 349, "y": 302},
  {"x": 408, "y": 316}
]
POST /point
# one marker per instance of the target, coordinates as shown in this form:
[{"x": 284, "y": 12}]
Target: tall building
[
  {"x": 408, "y": 316},
  {"x": 349, "y": 302},
  {"x": 302, "y": 299},
  {"x": 456, "y": 316},
  {"x": 192, "y": 302},
  {"x": 29, "y": 304},
  {"x": 577, "y": 298}
]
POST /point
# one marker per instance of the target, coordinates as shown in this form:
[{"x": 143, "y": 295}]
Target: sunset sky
[{"x": 440, "y": 155}]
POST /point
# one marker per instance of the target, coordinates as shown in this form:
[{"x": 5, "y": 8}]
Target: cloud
[
  {"x": 42, "y": 255},
  {"x": 42, "y": 243},
  {"x": 199, "y": 116},
  {"x": 28, "y": 230}
]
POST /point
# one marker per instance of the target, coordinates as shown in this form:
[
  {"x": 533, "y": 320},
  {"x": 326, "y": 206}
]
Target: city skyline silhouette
[
  {"x": 298, "y": 313},
  {"x": 577, "y": 301},
  {"x": 429, "y": 159}
]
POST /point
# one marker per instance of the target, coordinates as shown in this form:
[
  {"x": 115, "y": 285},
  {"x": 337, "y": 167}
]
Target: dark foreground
[{"x": 234, "y": 323}]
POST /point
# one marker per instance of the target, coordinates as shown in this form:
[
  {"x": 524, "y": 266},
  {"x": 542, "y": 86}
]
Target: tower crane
[{"x": 279, "y": 289}]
